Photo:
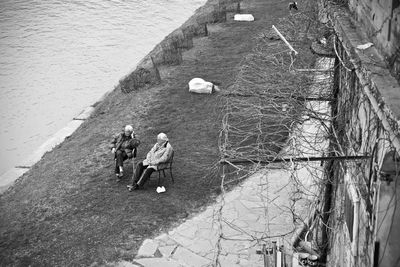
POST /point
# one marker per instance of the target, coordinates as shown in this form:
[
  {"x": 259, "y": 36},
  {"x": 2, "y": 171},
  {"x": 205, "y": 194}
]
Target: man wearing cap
[
  {"x": 159, "y": 154},
  {"x": 124, "y": 146}
]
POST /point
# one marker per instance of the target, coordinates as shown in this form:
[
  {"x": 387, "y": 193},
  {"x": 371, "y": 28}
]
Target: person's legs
[
  {"x": 145, "y": 176},
  {"x": 120, "y": 157},
  {"x": 116, "y": 170},
  {"x": 138, "y": 172}
]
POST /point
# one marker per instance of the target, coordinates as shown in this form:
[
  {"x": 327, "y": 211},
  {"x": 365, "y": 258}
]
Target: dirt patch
[{"x": 69, "y": 210}]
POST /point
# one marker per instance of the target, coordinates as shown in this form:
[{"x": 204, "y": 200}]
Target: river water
[{"x": 57, "y": 57}]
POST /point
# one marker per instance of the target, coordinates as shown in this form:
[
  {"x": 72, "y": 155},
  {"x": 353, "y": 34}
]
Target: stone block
[
  {"x": 251, "y": 205},
  {"x": 202, "y": 246},
  {"x": 255, "y": 259},
  {"x": 165, "y": 240},
  {"x": 187, "y": 230},
  {"x": 125, "y": 264},
  {"x": 182, "y": 240},
  {"x": 149, "y": 248},
  {"x": 210, "y": 233},
  {"x": 231, "y": 231},
  {"x": 158, "y": 262},
  {"x": 242, "y": 210},
  {"x": 229, "y": 261},
  {"x": 188, "y": 258},
  {"x": 166, "y": 251}
]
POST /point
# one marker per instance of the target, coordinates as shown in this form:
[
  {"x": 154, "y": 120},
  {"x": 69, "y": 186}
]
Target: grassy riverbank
[{"x": 69, "y": 210}]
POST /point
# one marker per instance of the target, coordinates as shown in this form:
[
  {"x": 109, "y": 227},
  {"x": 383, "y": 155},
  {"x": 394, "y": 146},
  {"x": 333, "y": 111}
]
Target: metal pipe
[
  {"x": 292, "y": 159},
  {"x": 284, "y": 39},
  {"x": 314, "y": 70},
  {"x": 302, "y": 98},
  {"x": 356, "y": 209}
]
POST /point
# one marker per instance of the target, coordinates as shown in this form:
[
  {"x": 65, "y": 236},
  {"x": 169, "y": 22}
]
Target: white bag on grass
[
  {"x": 160, "y": 189},
  {"x": 200, "y": 86},
  {"x": 243, "y": 17}
]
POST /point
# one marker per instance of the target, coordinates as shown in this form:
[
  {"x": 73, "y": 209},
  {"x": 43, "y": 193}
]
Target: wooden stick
[{"x": 283, "y": 39}]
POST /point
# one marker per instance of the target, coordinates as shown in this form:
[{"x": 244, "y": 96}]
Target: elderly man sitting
[
  {"x": 159, "y": 154},
  {"x": 124, "y": 146}
]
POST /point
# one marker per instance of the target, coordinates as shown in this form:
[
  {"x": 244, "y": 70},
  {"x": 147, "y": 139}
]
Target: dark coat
[{"x": 125, "y": 143}]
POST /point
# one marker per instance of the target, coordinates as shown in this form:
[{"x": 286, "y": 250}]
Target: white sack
[
  {"x": 364, "y": 46},
  {"x": 200, "y": 86},
  {"x": 244, "y": 17}
]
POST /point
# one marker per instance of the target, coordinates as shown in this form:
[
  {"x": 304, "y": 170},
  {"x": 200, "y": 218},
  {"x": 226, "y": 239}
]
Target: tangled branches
[
  {"x": 268, "y": 98},
  {"x": 274, "y": 113}
]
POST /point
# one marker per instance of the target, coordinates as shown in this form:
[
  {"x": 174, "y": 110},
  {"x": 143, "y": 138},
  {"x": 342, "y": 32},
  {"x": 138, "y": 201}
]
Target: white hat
[
  {"x": 162, "y": 136},
  {"x": 129, "y": 128}
]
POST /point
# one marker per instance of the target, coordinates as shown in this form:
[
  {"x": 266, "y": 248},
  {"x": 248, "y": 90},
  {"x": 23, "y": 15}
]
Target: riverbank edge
[{"x": 145, "y": 74}]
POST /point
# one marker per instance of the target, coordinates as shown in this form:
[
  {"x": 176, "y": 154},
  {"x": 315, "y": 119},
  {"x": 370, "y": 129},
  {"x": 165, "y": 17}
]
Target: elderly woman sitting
[
  {"x": 160, "y": 153},
  {"x": 124, "y": 146}
]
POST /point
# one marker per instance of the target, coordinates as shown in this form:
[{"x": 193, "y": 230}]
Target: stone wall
[
  {"x": 362, "y": 202},
  {"x": 381, "y": 20}
]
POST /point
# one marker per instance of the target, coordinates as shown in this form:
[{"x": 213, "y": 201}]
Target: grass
[{"x": 68, "y": 210}]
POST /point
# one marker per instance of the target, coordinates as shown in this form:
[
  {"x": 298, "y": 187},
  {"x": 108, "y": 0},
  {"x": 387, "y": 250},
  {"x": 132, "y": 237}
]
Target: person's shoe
[
  {"x": 133, "y": 187},
  {"x": 129, "y": 186}
]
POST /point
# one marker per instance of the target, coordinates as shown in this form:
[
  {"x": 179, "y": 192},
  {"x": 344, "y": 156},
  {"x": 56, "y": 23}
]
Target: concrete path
[{"x": 254, "y": 213}]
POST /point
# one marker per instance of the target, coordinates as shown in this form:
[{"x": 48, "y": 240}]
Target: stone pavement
[{"x": 256, "y": 212}]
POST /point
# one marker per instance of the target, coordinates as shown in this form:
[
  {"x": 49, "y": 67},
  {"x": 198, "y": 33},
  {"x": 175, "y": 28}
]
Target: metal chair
[{"x": 167, "y": 165}]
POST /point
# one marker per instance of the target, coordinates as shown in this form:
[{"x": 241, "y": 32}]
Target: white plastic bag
[
  {"x": 243, "y": 17},
  {"x": 364, "y": 46},
  {"x": 160, "y": 189},
  {"x": 200, "y": 86}
]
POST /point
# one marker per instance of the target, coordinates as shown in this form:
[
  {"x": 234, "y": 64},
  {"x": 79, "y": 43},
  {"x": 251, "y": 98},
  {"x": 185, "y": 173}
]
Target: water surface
[{"x": 57, "y": 57}]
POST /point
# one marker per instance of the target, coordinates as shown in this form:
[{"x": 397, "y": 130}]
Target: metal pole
[
  {"x": 264, "y": 252},
  {"x": 302, "y": 98},
  {"x": 314, "y": 70},
  {"x": 274, "y": 253},
  {"x": 292, "y": 159},
  {"x": 283, "y": 39}
]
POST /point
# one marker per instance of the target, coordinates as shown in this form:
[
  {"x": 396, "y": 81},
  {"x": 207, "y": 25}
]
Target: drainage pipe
[{"x": 356, "y": 218}]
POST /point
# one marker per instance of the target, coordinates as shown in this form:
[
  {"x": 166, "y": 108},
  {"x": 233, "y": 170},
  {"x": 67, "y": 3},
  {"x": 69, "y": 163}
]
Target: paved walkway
[{"x": 239, "y": 223}]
